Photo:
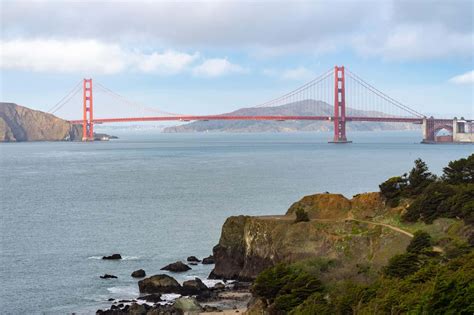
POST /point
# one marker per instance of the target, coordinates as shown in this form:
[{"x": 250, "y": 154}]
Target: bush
[
  {"x": 402, "y": 265},
  {"x": 392, "y": 189},
  {"x": 426, "y": 206},
  {"x": 301, "y": 215},
  {"x": 420, "y": 241}
]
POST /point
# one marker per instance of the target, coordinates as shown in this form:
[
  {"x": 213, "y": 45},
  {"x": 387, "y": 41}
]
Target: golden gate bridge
[{"x": 337, "y": 96}]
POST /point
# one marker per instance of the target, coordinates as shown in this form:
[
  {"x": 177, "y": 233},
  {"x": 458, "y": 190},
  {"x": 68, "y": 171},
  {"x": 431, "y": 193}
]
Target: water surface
[{"x": 157, "y": 198}]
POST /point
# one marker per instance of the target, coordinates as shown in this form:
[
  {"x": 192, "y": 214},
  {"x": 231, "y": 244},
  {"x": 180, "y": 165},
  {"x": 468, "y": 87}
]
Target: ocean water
[{"x": 158, "y": 198}]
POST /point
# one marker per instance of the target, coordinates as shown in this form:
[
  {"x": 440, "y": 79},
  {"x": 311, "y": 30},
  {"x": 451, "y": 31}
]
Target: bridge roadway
[{"x": 273, "y": 118}]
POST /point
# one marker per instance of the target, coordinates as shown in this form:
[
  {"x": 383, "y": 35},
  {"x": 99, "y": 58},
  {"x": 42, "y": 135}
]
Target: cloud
[
  {"x": 217, "y": 67},
  {"x": 62, "y": 56},
  {"x": 169, "y": 62},
  {"x": 88, "y": 56},
  {"x": 391, "y": 29},
  {"x": 465, "y": 78},
  {"x": 411, "y": 42}
]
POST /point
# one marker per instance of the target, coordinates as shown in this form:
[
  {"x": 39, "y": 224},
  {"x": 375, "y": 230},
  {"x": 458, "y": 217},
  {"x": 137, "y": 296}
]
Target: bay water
[{"x": 157, "y": 198}]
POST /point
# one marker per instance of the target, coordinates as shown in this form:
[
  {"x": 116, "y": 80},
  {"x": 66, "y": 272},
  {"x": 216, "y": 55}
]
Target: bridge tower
[
  {"x": 339, "y": 106},
  {"x": 88, "y": 112}
]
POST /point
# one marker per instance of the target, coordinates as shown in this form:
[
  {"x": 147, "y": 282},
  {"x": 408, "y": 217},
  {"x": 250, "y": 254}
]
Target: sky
[{"x": 209, "y": 57}]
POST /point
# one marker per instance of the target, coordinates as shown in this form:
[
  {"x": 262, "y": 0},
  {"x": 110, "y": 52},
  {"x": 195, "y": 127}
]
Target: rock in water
[
  {"x": 188, "y": 305},
  {"x": 107, "y": 276},
  {"x": 208, "y": 260},
  {"x": 140, "y": 273},
  {"x": 177, "y": 267},
  {"x": 159, "y": 284},
  {"x": 113, "y": 257},
  {"x": 194, "y": 287},
  {"x": 193, "y": 259}
]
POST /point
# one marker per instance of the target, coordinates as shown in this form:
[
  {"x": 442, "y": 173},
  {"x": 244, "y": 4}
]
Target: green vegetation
[
  {"x": 301, "y": 215},
  {"x": 450, "y": 196},
  {"x": 423, "y": 280},
  {"x": 416, "y": 282}
]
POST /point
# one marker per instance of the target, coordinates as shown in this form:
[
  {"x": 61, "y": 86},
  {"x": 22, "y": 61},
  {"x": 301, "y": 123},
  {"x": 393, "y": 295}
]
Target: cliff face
[
  {"x": 337, "y": 231},
  {"x": 18, "y": 123}
]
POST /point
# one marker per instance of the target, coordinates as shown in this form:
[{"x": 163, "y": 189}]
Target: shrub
[
  {"x": 301, "y": 215},
  {"x": 392, "y": 189},
  {"x": 421, "y": 240},
  {"x": 402, "y": 265}
]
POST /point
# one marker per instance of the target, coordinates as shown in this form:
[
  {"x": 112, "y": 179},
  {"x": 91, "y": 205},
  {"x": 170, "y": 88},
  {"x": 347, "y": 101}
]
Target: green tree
[
  {"x": 419, "y": 178},
  {"x": 426, "y": 206},
  {"x": 402, "y": 265},
  {"x": 393, "y": 188},
  {"x": 301, "y": 215},
  {"x": 460, "y": 171},
  {"x": 421, "y": 240}
]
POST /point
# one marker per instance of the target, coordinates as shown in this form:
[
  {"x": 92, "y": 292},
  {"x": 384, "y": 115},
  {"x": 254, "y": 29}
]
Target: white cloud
[
  {"x": 217, "y": 67},
  {"x": 62, "y": 56},
  {"x": 465, "y": 78},
  {"x": 409, "y": 42},
  {"x": 391, "y": 29},
  {"x": 169, "y": 62},
  {"x": 88, "y": 56}
]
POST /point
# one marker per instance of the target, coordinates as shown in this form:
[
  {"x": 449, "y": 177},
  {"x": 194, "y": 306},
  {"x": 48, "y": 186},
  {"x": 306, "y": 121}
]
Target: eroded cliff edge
[{"x": 339, "y": 230}]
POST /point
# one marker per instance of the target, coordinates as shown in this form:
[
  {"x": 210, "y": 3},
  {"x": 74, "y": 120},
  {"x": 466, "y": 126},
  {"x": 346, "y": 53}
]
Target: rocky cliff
[
  {"x": 338, "y": 231},
  {"x": 18, "y": 123}
]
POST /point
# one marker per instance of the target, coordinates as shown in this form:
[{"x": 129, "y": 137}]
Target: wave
[
  {"x": 124, "y": 291},
  {"x": 123, "y": 257}
]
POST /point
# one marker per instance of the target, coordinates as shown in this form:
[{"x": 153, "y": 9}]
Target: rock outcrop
[
  {"x": 159, "y": 284},
  {"x": 178, "y": 266},
  {"x": 337, "y": 231},
  {"x": 18, "y": 123}
]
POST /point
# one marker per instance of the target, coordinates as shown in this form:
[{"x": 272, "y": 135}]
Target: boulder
[
  {"x": 177, "y": 267},
  {"x": 193, "y": 259},
  {"x": 107, "y": 276},
  {"x": 112, "y": 257},
  {"x": 187, "y": 305},
  {"x": 193, "y": 287},
  {"x": 159, "y": 284},
  {"x": 140, "y": 273},
  {"x": 208, "y": 260}
]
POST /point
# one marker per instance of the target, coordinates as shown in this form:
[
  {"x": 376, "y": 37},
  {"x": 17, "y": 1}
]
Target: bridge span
[{"x": 338, "y": 96}]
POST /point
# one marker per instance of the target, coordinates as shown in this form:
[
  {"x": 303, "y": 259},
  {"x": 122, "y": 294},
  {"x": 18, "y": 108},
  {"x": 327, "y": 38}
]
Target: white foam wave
[
  {"x": 124, "y": 291},
  {"x": 169, "y": 297}
]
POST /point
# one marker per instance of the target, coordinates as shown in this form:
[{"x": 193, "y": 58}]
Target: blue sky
[{"x": 216, "y": 56}]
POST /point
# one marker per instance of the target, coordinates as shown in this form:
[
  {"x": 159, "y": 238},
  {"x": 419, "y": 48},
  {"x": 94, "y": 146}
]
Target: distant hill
[
  {"x": 19, "y": 123},
  {"x": 302, "y": 108}
]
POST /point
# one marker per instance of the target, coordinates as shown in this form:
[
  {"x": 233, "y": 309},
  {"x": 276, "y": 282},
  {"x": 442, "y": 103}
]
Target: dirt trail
[{"x": 394, "y": 228}]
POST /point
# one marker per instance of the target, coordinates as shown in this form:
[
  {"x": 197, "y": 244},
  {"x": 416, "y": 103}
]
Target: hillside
[
  {"x": 19, "y": 123},
  {"x": 302, "y": 108}
]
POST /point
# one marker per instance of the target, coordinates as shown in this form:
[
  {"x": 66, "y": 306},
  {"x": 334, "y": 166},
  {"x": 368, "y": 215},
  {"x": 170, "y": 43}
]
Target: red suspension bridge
[{"x": 338, "y": 96}]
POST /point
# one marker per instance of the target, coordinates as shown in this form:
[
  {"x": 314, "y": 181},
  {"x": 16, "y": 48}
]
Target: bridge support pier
[
  {"x": 88, "y": 112},
  {"x": 339, "y": 106}
]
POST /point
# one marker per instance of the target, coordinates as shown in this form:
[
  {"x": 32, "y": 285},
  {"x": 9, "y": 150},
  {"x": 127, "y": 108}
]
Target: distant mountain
[{"x": 301, "y": 108}]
